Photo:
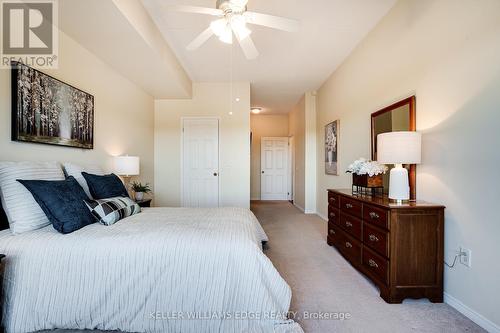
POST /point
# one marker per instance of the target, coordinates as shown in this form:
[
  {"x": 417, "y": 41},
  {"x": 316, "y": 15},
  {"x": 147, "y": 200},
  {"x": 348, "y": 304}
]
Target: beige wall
[
  {"x": 447, "y": 53},
  {"x": 124, "y": 114},
  {"x": 263, "y": 126},
  {"x": 209, "y": 100}
]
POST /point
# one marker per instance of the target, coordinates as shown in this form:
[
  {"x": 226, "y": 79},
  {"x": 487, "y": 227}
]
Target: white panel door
[
  {"x": 200, "y": 162},
  {"x": 274, "y": 169}
]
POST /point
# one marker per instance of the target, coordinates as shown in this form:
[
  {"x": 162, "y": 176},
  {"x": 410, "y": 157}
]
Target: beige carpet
[{"x": 322, "y": 281}]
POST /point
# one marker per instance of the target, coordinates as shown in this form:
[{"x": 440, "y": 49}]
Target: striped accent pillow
[
  {"x": 76, "y": 171},
  {"x": 23, "y": 212},
  {"x": 109, "y": 211}
]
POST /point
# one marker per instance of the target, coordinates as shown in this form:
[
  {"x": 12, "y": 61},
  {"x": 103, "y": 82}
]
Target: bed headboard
[{"x": 4, "y": 224}]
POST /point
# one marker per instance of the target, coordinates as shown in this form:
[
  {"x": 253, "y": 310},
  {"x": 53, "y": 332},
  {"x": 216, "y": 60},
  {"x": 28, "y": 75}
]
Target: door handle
[
  {"x": 216, "y": 174},
  {"x": 262, "y": 171}
]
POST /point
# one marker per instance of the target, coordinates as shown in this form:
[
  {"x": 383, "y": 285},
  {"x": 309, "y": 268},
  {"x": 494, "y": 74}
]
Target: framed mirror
[{"x": 399, "y": 116}]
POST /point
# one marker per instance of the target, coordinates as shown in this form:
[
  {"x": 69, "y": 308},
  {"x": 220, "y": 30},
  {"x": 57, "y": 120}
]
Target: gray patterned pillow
[{"x": 109, "y": 211}]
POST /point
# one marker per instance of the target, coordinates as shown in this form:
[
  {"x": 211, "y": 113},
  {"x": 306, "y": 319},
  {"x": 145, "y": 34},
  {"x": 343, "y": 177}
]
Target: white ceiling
[
  {"x": 123, "y": 35},
  {"x": 289, "y": 64}
]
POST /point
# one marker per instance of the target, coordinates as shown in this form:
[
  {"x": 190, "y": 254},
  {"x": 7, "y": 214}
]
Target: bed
[{"x": 163, "y": 270}]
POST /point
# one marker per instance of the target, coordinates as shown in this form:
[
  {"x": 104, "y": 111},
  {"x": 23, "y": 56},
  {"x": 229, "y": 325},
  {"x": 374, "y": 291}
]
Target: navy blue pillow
[
  {"x": 63, "y": 201},
  {"x": 105, "y": 187}
]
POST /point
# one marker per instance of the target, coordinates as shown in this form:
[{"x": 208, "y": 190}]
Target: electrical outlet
[{"x": 465, "y": 257}]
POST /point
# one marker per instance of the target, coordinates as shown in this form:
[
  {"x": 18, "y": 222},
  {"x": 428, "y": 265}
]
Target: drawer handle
[
  {"x": 332, "y": 214},
  {"x": 372, "y": 263},
  {"x": 374, "y": 215},
  {"x": 348, "y": 224},
  {"x": 373, "y": 238},
  {"x": 332, "y": 199},
  {"x": 348, "y": 245},
  {"x": 348, "y": 206},
  {"x": 332, "y": 232}
]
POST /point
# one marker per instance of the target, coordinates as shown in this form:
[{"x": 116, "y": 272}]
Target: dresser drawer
[
  {"x": 333, "y": 200},
  {"x": 352, "y": 225},
  {"x": 376, "y": 264},
  {"x": 334, "y": 235},
  {"x": 376, "y": 239},
  {"x": 351, "y": 248},
  {"x": 333, "y": 215},
  {"x": 353, "y": 207},
  {"x": 376, "y": 215}
]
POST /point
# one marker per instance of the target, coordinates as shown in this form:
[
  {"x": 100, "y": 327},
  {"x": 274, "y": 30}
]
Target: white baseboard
[
  {"x": 300, "y": 208},
  {"x": 479, "y": 319},
  {"x": 310, "y": 211},
  {"x": 322, "y": 216}
]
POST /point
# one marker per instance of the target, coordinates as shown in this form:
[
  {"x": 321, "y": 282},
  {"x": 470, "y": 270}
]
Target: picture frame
[
  {"x": 331, "y": 148},
  {"x": 46, "y": 110}
]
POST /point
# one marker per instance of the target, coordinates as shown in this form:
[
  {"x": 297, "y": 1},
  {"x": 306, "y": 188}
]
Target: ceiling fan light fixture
[
  {"x": 227, "y": 36},
  {"x": 239, "y": 26},
  {"x": 219, "y": 26},
  {"x": 241, "y": 3},
  {"x": 233, "y": 17}
]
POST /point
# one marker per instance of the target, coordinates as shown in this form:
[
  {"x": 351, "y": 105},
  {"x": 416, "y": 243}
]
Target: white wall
[
  {"x": 209, "y": 100},
  {"x": 124, "y": 114},
  {"x": 263, "y": 126},
  {"x": 447, "y": 52}
]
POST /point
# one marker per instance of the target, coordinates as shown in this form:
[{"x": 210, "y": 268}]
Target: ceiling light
[
  {"x": 256, "y": 110},
  {"x": 218, "y": 27},
  {"x": 222, "y": 29},
  {"x": 227, "y": 36},
  {"x": 239, "y": 26},
  {"x": 237, "y": 99}
]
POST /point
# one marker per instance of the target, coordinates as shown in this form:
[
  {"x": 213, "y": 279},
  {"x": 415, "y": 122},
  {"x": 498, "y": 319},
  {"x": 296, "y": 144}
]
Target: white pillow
[
  {"x": 23, "y": 212},
  {"x": 76, "y": 171}
]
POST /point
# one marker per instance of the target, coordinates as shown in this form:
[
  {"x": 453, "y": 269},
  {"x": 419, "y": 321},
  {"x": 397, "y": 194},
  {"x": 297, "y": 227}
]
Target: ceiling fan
[{"x": 233, "y": 18}]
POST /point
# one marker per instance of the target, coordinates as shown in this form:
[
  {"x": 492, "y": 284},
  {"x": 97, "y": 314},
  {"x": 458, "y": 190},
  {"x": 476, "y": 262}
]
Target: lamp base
[{"x": 399, "y": 185}]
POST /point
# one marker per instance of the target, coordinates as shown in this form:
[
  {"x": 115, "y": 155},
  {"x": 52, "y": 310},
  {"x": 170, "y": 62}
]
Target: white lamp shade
[
  {"x": 127, "y": 165},
  {"x": 399, "y": 148}
]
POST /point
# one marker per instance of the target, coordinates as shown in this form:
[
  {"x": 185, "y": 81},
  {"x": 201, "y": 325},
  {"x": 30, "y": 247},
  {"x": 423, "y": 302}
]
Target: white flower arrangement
[{"x": 363, "y": 166}]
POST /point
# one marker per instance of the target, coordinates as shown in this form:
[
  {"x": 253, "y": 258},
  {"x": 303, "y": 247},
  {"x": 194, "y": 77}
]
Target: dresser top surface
[{"x": 385, "y": 201}]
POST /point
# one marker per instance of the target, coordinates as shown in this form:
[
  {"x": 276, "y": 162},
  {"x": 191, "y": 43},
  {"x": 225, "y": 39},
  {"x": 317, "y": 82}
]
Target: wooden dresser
[{"x": 399, "y": 247}]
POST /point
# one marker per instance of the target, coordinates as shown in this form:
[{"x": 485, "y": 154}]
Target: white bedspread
[{"x": 164, "y": 270}]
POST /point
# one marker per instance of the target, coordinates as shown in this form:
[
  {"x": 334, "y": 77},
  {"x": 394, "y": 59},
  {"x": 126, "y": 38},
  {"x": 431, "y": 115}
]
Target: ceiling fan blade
[
  {"x": 275, "y": 22},
  {"x": 200, "y": 40},
  {"x": 196, "y": 10},
  {"x": 248, "y": 47}
]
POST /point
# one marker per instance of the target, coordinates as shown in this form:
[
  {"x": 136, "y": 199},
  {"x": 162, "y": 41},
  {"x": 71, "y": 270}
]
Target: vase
[{"x": 139, "y": 196}]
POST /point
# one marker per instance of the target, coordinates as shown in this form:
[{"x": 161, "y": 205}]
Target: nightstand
[{"x": 144, "y": 203}]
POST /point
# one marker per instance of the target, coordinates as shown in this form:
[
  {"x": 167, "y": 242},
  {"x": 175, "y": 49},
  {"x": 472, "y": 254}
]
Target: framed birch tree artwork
[
  {"x": 46, "y": 110},
  {"x": 331, "y": 148}
]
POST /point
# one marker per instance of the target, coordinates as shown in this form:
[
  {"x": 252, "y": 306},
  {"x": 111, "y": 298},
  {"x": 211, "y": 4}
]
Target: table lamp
[
  {"x": 127, "y": 166},
  {"x": 399, "y": 148}
]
